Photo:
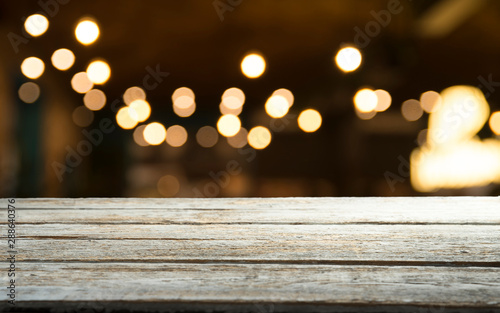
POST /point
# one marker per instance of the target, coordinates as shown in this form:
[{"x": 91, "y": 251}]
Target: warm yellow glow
[
  {"x": 365, "y": 115},
  {"x": 239, "y": 140},
  {"x": 228, "y": 125},
  {"x": 32, "y": 67},
  {"x": 309, "y": 120},
  {"x": 155, "y": 133},
  {"x": 82, "y": 116},
  {"x": 168, "y": 186},
  {"x": 287, "y": 94},
  {"x": 259, "y": 137},
  {"x": 365, "y": 100},
  {"x": 29, "y": 92},
  {"x": 133, "y": 93},
  {"x": 233, "y": 98},
  {"x": 87, "y": 32},
  {"x": 126, "y": 118},
  {"x": 207, "y": 136},
  {"x": 81, "y": 82},
  {"x": 63, "y": 59},
  {"x": 277, "y": 106},
  {"x": 182, "y": 91},
  {"x": 225, "y": 110},
  {"x": 411, "y": 110},
  {"x": 141, "y": 109},
  {"x": 36, "y": 25},
  {"x": 139, "y": 136},
  {"x": 185, "y": 112},
  {"x": 348, "y": 59},
  {"x": 176, "y": 135},
  {"x": 384, "y": 100},
  {"x": 98, "y": 72},
  {"x": 422, "y": 137},
  {"x": 430, "y": 101},
  {"x": 94, "y": 99},
  {"x": 183, "y": 102},
  {"x": 495, "y": 123},
  {"x": 453, "y": 156},
  {"x": 253, "y": 65}
]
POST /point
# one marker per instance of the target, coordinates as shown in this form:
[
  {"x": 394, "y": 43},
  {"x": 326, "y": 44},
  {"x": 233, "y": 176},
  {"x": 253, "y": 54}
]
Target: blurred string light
[
  {"x": 277, "y": 106},
  {"x": 422, "y": 137},
  {"x": 285, "y": 93},
  {"x": 207, "y": 136},
  {"x": 365, "y": 115},
  {"x": 453, "y": 156},
  {"x": 36, "y": 25},
  {"x": 494, "y": 123},
  {"x": 233, "y": 98},
  {"x": 411, "y": 110},
  {"x": 98, "y": 72},
  {"x": 126, "y": 118},
  {"x": 253, "y": 65},
  {"x": 176, "y": 136},
  {"x": 133, "y": 93},
  {"x": 430, "y": 101},
  {"x": 140, "y": 110},
  {"x": 87, "y": 31},
  {"x": 168, "y": 186},
  {"x": 309, "y": 120},
  {"x": 32, "y": 67},
  {"x": 228, "y": 125},
  {"x": 81, "y": 82},
  {"x": 365, "y": 100},
  {"x": 139, "y": 136},
  {"x": 348, "y": 59},
  {"x": 183, "y": 102},
  {"x": 63, "y": 59},
  {"x": 155, "y": 133},
  {"x": 239, "y": 140},
  {"x": 259, "y": 137},
  {"x": 82, "y": 116},
  {"x": 225, "y": 110},
  {"x": 29, "y": 92},
  {"x": 94, "y": 99},
  {"x": 384, "y": 100}
]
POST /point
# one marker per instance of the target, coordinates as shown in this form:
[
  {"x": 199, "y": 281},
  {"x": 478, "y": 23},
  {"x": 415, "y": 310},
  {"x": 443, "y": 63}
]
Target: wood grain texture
[{"x": 274, "y": 255}]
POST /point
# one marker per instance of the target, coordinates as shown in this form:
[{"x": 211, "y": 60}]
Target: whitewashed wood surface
[{"x": 408, "y": 254}]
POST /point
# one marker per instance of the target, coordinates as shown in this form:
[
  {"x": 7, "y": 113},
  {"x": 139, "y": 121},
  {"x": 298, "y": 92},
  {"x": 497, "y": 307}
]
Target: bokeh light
[
  {"x": 259, "y": 137},
  {"x": 228, "y": 125},
  {"x": 176, "y": 135},
  {"x": 81, "y": 82},
  {"x": 365, "y": 115},
  {"x": 32, "y": 67},
  {"x": 155, "y": 133},
  {"x": 183, "y": 102},
  {"x": 309, "y": 120},
  {"x": 182, "y": 91},
  {"x": 126, "y": 118},
  {"x": 82, "y": 116},
  {"x": 185, "y": 112},
  {"x": 494, "y": 122},
  {"x": 29, "y": 92},
  {"x": 168, "y": 186},
  {"x": 139, "y": 136},
  {"x": 365, "y": 100},
  {"x": 348, "y": 59},
  {"x": 207, "y": 136},
  {"x": 411, "y": 110},
  {"x": 141, "y": 108},
  {"x": 287, "y": 94},
  {"x": 98, "y": 72},
  {"x": 225, "y": 110},
  {"x": 87, "y": 32},
  {"x": 63, "y": 59},
  {"x": 133, "y": 93},
  {"x": 384, "y": 100},
  {"x": 94, "y": 99},
  {"x": 430, "y": 101},
  {"x": 277, "y": 106},
  {"x": 239, "y": 140},
  {"x": 36, "y": 25},
  {"x": 422, "y": 137},
  {"x": 233, "y": 98},
  {"x": 253, "y": 65}
]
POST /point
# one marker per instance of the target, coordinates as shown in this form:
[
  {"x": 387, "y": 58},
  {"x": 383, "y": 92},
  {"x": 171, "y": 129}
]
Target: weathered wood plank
[
  {"x": 457, "y": 210},
  {"x": 239, "y": 283}
]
